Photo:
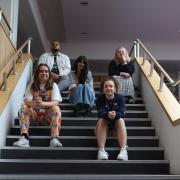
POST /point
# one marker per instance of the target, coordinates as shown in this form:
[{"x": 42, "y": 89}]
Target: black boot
[{"x": 87, "y": 110}]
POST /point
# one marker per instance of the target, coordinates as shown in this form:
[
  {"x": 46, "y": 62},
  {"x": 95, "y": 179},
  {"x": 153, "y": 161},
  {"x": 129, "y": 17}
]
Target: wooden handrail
[
  {"x": 159, "y": 67},
  {"x": 5, "y": 19},
  {"x": 155, "y": 79},
  {"x": 16, "y": 54}
]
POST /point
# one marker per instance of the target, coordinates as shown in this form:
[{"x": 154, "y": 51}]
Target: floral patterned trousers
[{"x": 52, "y": 117}]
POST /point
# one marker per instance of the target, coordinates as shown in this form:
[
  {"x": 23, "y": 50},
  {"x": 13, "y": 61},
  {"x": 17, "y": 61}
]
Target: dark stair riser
[
  {"x": 84, "y": 168},
  {"x": 93, "y": 122},
  {"x": 129, "y": 107},
  {"x": 80, "y": 132},
  {"x": 141, "y": 114},
  {"x": 89, "y": 142},
  {"x": 66, "y": 93},
  {"x": 138, "y": 101},
  {"x": 78, "y": 154}
]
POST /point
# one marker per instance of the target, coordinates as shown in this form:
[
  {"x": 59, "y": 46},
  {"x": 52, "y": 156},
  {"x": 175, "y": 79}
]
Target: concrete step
[
  {"x": 70, "y": 106},
  {"x": 134, "y": 153},
  {"x": 128, "y": 114},
  {"x": 81, "y": 131},
  {"x": 89, "y": 177},
  {"x": 66, "y": 93},
  {"x": 137, "y": 101},
  {"x": 47, "y": 166},
  {"x": 88, "y": 141},
  {"x": 91, "y": 121}
]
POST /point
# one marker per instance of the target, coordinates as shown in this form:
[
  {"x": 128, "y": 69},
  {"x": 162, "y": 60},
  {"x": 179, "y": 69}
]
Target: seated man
[{"x": 59, "y": 65}]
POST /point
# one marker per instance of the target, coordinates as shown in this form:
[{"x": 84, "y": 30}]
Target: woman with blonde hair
[{"x": 122, "y": 69}]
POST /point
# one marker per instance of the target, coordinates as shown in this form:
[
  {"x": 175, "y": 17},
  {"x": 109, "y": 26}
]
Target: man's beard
[{"x": 54, "y": 51}]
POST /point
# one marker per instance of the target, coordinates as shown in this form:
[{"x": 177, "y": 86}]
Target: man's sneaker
[
  {"x": 102, "y": 154},
  {"x": 22, "y": 142},
  {"x": 131, "y": 101},
  {"x": 54, "y": 142},
  {"x": 123, "y": 155}
]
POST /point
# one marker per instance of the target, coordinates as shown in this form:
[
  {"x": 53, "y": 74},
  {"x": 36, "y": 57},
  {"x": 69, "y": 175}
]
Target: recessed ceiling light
[
  {"x": 84, "y": 33},
  {"x": 84, "y": 3}
]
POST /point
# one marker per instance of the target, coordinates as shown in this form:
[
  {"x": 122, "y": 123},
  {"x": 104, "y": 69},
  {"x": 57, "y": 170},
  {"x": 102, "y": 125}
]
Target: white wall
[
  {"x": 96, "y": 50},
  {"x": 168, "y": 134},
  {"x": 14, "y": 103},
  {"x": 105, "y": 50},
  {"x": 39, "y": 23}
]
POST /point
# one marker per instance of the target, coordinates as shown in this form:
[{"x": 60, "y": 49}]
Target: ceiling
[
  {"x": 98, "y": 21},
  {"x": 109, "y": 20}
]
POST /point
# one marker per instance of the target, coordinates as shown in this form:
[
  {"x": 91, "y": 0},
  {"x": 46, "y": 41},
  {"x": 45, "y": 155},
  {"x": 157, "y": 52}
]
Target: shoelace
[{"x": 104, "y": 151}]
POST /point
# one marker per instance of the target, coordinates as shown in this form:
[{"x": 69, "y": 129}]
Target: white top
[
  {"x": 63, "y": 62},
  {"x": 55, "y": 94}
]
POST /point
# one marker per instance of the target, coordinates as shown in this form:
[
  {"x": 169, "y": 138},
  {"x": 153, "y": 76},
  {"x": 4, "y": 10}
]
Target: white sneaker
[
  {"x": 54, "y": 142},
  {"x": 131, "y": 101},
  {"x": 102, "y": 154},
  {"x": 22, "y": 142},
  {"x": 123, "y": 155}
]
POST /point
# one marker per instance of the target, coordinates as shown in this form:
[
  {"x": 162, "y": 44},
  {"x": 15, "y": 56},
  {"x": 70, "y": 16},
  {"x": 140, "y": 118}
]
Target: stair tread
[
  {"x": 89, "y": 177},
  {"x": 82, "y": 148},
  {"x": 83, "y": 137},
  {"x": 95, "y": 118},
  {"x": 71, "y": 104},
  {"x": 83, "y": 161},
  {"x": 87, "y": 127},
  {"x": 127, "y": 111}
]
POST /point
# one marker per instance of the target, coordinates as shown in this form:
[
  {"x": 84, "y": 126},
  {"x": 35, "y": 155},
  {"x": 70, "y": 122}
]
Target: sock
[{"x": 25, "y": 135}]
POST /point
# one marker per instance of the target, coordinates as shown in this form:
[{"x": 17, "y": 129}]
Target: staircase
[{"x": 77, "y": 158}]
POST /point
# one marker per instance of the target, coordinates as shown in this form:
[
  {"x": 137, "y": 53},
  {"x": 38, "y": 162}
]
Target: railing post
[
  {"x": 144, "y": 58},
  {"x": 14, "y": 67},
  {"x": 0, "y": 15},
  {"x": 21, "y": 57},
  {"x": 152, "y": 68},
  {"x": 29, "y": 46},
  {"x": 161, "y": 82},
  {"x": 135, "y": 49},
  {"x": 10, "y": 34},
  {"x": 5, "y": 81}
]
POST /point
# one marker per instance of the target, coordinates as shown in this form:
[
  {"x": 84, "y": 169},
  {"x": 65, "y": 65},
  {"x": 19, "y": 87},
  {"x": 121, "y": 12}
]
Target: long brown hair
[
  {"x": 36, "y": 83},
  {"x": 108, "y": 78},
  {"x": 83, "y": 75}
]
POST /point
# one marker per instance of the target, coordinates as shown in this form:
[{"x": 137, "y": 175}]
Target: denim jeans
[{"x": 82, "y": 94}]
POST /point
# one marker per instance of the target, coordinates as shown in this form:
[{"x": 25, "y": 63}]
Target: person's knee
[
  {"x": 120, "y": 122},
  {"x": 102, "y": 122},
  {"x": 80, "y": 86},
  {"x": 56, "y": 109}
]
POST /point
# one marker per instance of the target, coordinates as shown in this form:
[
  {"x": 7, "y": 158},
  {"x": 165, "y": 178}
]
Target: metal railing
[
  {"x": 5, "y": 23},
  {"x": 154, "y": 64},
  {"x": 17, "y": 58}
]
